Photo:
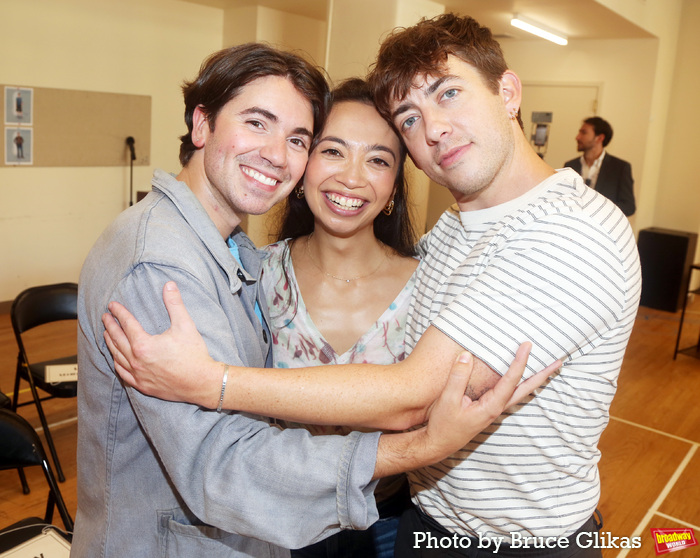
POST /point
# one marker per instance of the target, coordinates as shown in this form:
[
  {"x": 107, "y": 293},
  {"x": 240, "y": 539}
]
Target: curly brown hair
[{"x": 423, "y": 50}]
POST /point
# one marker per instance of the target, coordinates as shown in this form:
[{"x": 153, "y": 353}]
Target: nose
[
  {"x": 436, "y": 126},
  {"x": 275, "y": 151},
  {"x": 352, "y": 174}
]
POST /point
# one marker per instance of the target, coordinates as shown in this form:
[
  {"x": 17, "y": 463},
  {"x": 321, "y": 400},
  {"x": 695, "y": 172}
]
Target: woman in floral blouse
[{"x": 339, "y": 281}]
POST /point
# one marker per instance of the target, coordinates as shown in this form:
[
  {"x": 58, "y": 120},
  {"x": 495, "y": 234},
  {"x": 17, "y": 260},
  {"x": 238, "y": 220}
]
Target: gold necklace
[{"x": 344, "y": 279}]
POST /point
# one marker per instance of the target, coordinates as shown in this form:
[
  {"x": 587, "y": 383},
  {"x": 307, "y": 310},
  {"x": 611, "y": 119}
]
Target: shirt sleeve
[
  {"x": 625, "y": 195},
  {"x": 560, "y": 285},
  {"x": 235, "y": 471}
]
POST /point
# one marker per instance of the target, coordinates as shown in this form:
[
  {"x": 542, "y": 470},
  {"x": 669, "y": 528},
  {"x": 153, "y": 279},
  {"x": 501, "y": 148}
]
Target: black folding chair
[
  {"x": 22, "y": 447},
  {"x": 34, "y": 307}
]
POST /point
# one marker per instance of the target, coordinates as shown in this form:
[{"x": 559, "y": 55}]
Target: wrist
[
  {"x": 403, "y": 451},
  {"x": 224, "y": 380}
]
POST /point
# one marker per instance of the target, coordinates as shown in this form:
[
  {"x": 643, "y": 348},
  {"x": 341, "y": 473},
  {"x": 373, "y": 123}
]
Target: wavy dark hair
[
  {"x": 600, "y": 126},
  {"x": 395, "y": 230},
  {"x": 225, "y": 72},
  {"x": 423, "y": 50}
]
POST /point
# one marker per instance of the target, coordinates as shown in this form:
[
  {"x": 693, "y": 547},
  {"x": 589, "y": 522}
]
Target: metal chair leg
[
  {"x": 47, "y": 432},
  {"x": 23, "y": 480}
]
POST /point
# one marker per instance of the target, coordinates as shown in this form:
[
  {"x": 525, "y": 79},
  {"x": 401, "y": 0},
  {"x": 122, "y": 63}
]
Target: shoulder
[
  {"x": 445, "y": 225},
  {"x": 577, "y": 216},
  {"x": 275, "y": 253},
  {"x": 616, "y": 161},
  {"x": 403, "y": 268},
  {"x": 442, "y": 231},
  {"x": 275, "y": 248},
  {"x": 168, "y": 234},
  {"x": 276, "y": 266},
  {"x": 573, "y": 163}
]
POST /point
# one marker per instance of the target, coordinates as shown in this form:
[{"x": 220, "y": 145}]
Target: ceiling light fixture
[{"x": 538, "y": 29}]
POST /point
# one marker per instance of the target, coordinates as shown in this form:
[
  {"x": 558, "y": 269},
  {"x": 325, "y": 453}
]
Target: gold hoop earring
[
  {"x": 299, "y": 191},
  {"x": 389, "y": 208},
  {"x": 514, "y": 114}
]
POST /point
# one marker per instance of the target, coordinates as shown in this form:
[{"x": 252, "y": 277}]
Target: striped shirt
[{"x": 559, "y": 267}]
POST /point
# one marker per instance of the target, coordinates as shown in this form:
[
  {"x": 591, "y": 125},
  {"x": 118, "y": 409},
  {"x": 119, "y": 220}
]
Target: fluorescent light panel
[{"x": 538, "y": 29}]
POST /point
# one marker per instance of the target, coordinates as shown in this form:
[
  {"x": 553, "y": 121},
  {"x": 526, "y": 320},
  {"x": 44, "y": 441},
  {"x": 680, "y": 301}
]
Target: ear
[
  {"x": 200, "y": 127},
  {"x": 511, "y": 91}
]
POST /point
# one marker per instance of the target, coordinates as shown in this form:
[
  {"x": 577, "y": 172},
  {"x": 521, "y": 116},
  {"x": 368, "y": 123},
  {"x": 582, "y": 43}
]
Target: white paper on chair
[
  {"x": 47, "y": 545},
  {"x": 61, "y": 373}
]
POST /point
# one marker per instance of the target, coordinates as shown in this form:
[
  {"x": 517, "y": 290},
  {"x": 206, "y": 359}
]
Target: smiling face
[
  {"x": 351, "y": 172},
  {"x": 457, "y": 130},
  {"x": 255, "y": 153}
]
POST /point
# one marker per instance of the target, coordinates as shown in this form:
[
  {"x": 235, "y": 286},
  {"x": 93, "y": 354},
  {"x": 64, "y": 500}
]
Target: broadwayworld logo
[{"x": 670, "y": 540}]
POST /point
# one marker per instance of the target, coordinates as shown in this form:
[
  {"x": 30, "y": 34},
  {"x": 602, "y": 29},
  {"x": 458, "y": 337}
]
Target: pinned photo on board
[
  {"x": 19, "y": 105},
  {"x": 18, "y": 146}
]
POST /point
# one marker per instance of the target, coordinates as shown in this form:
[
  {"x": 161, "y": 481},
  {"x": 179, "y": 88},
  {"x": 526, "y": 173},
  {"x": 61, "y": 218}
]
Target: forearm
[
  {"x": 406, "y": 451},
  {"x": 372, "y": 396},
  {"x": 177, "y": 366},
  {"x": 387, "y": 397}
]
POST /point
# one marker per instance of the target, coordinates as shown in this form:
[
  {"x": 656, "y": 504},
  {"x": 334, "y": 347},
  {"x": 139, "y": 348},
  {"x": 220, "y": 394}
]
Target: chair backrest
[
  {"x": 41, "y": 305},
  {"x": 22, "y": 447}
]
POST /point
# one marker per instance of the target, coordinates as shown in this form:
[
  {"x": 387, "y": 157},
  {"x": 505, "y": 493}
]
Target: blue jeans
[{"x": 376, "y": 542}]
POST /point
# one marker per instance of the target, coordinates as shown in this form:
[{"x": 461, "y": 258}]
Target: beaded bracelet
[{"x": 223, "y": 388}]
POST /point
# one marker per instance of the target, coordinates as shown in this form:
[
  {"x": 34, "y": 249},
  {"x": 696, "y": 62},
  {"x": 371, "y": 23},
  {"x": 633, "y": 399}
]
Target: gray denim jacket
[{"x": 164, "y": 479}]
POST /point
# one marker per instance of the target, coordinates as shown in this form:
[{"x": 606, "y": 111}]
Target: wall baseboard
[{"x": 5, "y": 306}]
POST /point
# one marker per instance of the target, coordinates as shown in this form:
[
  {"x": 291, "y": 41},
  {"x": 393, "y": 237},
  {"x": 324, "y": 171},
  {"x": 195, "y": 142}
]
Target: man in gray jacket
[{"x": 158, "y": 478}]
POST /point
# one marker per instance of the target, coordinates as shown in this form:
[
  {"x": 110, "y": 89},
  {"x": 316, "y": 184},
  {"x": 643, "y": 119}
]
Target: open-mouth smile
[
  {"x": 260, "y": 177},
  {"x": 343, "y": 202}
]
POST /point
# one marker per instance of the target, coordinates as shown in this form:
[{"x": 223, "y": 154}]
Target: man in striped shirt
[{"x": 526, "y": 253}]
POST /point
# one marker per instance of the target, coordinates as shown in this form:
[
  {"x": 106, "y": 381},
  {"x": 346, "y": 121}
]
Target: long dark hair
[{"x": 395, "y": 230}]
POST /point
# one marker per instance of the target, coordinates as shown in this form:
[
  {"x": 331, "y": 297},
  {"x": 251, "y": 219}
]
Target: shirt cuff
[{"x": 357, "y": 508}]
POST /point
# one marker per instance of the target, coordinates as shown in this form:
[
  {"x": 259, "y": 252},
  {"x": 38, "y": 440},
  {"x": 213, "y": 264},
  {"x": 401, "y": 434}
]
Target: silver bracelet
[{"x": 223, "y": 388}]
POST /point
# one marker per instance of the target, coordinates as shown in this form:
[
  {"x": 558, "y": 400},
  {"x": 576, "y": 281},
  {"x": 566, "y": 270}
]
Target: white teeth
[
  {"x": 345, "y": 203},
  {"x": 259, "y": 176}
]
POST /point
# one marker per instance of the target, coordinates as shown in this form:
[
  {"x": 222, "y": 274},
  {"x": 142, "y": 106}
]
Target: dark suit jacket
[{"x": 614, "y": 181}]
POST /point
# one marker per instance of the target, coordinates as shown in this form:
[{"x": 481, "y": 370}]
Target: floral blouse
[{"x": 297, "y": 342}]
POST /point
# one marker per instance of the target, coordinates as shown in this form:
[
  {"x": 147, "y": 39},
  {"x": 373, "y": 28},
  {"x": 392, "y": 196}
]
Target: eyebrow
[
  {"x": 429, "y": 91},
  {"x": 375, "y": 147},
  {"x": 300, "y": 131}
]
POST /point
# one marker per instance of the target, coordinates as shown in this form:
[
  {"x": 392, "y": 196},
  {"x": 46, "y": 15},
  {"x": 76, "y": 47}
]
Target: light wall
[
  {"x": 677, "y": 205},
  {"x": 590, "y": 62},
  {"x": 50, "y": 217}
]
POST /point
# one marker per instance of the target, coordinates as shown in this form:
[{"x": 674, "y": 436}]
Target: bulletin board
[{"x": 71, "y": 128}]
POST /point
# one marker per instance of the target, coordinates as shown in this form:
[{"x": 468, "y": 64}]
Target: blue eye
[
  {"x": 450, "y": 93},
  {"x": 408, "y": 123}
]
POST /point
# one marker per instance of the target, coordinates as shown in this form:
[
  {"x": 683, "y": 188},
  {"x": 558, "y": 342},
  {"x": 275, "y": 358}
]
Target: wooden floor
[{"x": 649, "y": 469}]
